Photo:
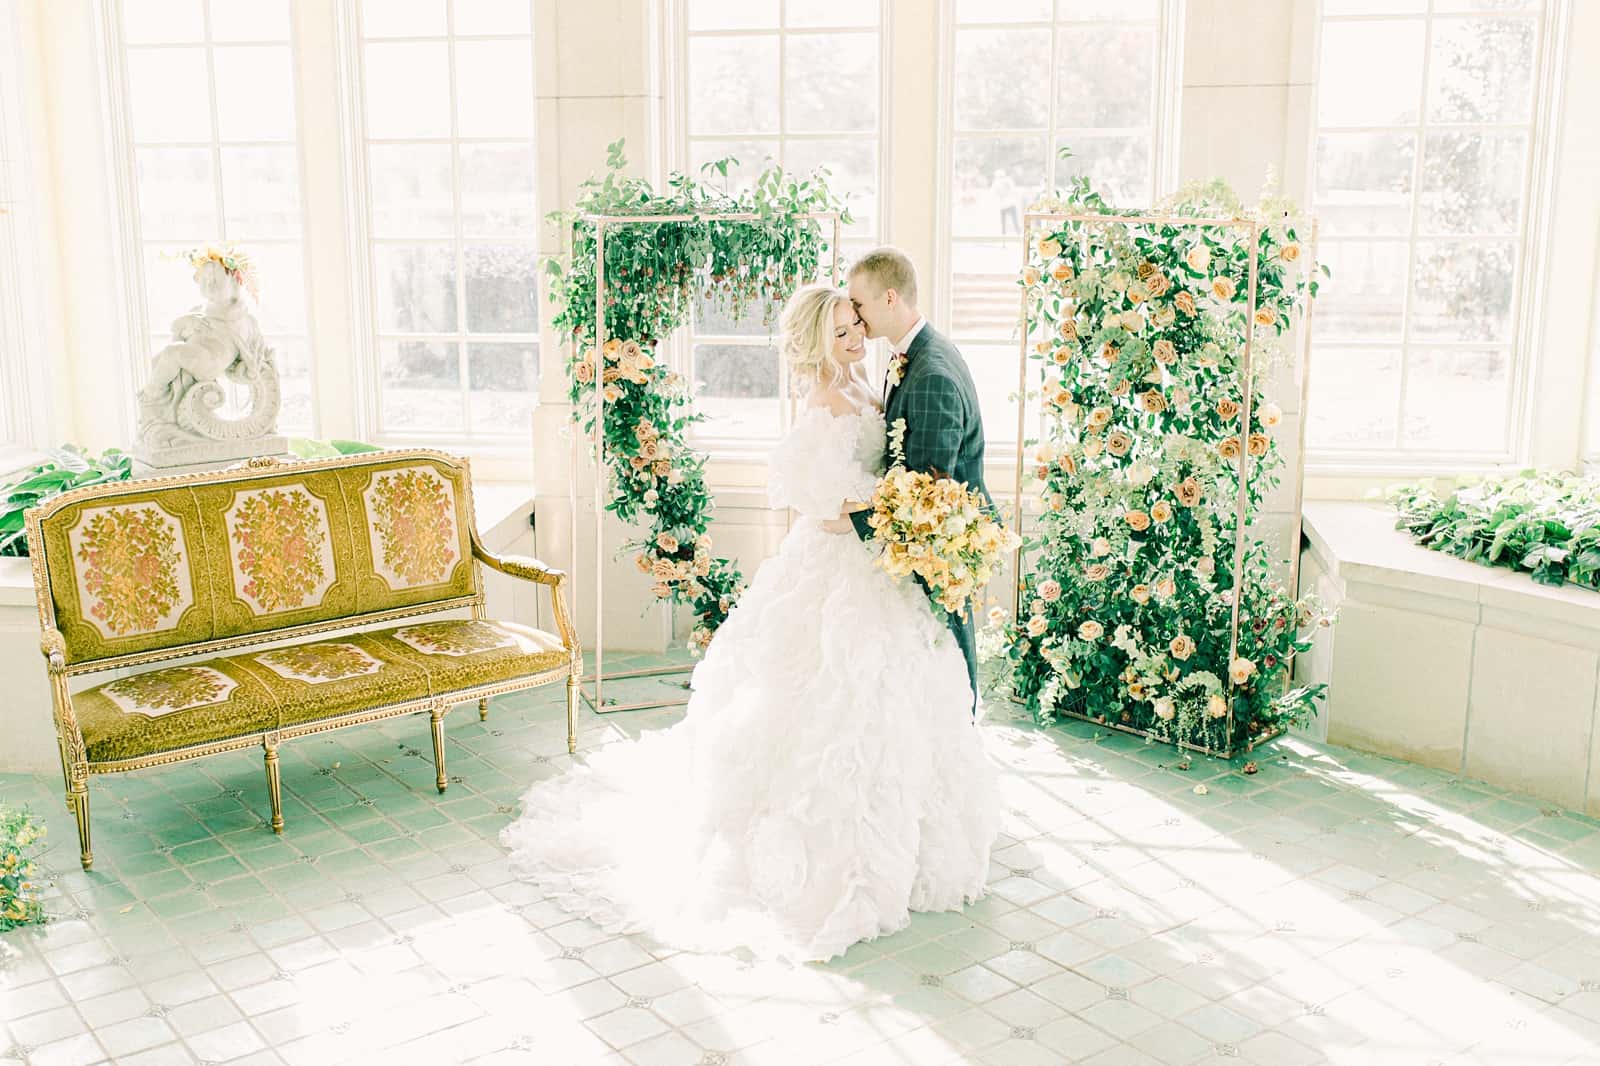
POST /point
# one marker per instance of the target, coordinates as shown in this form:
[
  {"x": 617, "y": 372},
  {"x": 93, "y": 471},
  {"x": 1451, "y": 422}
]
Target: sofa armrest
[{"x": 519, "y": 566}]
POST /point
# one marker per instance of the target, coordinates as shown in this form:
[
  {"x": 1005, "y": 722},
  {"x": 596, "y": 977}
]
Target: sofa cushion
[{"x": 265, "y": 689}]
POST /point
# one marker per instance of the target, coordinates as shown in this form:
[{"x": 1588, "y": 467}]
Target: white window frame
[
  {"x": 1372, "y": 467},
  {"x": 674, "y": 124},
  {"x": 1163, "y": 148},
  {"x": 503, "y": 451},
  {"x": 24, "y": 372},
  {"x": 128, "y": 240}
]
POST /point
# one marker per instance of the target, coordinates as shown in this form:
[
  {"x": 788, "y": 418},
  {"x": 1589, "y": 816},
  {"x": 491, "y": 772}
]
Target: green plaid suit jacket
[{"x": 944, "y": 437}]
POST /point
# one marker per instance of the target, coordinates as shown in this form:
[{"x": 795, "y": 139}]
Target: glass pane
[
  {"x": 249, "y": 20},
  {"x": 984, "y": 297},
  {"x": 1463, "y": 291},
  {"x": 852, "y": 172},
  {"x": 1002, "y": 10},
  {"x": 1457, "y": 399},
  {"x": 493, "y": 16},
  {"x": 407, "y": 90},
  {"x": 162, "y": 22},
  {"x": 255, "y": 93},
  {"x": 421, "y": 386},
  {"x": 415, "y": 285},
  {"x": 1355, "y": 393},
  {"x": 261, "y": 192},
  {"x": 752, "y": 158},
  {"x": 1488, "y": 5},
  {"x": 994, "y": 180},
  {"x": 177, "y": 200},
  {"x": 297, "y": 415},
  {"x": 169, "y": 288},
  {"x": 1481, "y": 70},
  {"x": 502, "y": 288},
  {"x": 832, "y": 13},
  {"x": 1364, "y": 295},
  {"x": 733, "y": 14},
  {"x": 494, "y": 89},
  {"x": 282, "y": 269},
  {"x": 1123, "y": 10},
  {"x": 994, "y": 372},
  {"x": 1104, "y": 76},
  {"x": 411, "y": 194},
  {"x": 736, "y": 387},
  {"x": 1118, "y": 166},
  {"x": 503, "y": 384},
  {"x": 733, "y": 84},
  {"x": 1373, "y": 7},
  {"x": 1472, "y": 182},
  {"x": 167, "y": 93},
  {"x": 1364, "y": 182},
  {"x": 831, "y": 81},
  {"x": 402, "y": 18},
  {"x": 1002, "y": 79},
  {"x": 1371, "y": 73},
  {"x": 497, "y": 188},
  {"x": 712, "y": 319}
]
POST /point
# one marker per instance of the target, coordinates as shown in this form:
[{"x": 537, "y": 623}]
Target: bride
[{"x": 827, "y": 778}]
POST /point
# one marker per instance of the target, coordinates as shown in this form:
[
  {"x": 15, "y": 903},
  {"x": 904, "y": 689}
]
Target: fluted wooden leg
[
  {"x": 274, "y": 787},
  {"x": 483, "y": 710},
  {"x": 78, "y": 802},
  {"x": 572, "y": 714},
  {"x": 436, "y": 718}
]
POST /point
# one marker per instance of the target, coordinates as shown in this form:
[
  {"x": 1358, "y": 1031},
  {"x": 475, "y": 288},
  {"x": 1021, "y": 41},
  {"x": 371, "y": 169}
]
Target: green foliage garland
[
  {"x": 20, "y": 837},
  {"x": 1128, "y": 607},
  {"x": 654, "y": 274},
  {"x": 1547, "y": 524}
]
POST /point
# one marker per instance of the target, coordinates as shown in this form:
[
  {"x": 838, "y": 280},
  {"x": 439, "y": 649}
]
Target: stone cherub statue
[{"x": 179, "y": 419}]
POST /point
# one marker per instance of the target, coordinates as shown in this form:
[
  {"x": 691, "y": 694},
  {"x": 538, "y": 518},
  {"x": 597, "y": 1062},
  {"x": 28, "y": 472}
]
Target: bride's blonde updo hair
[{"x": 807, "y": 325}]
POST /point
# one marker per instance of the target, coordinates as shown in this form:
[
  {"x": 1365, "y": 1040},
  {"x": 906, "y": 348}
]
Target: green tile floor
[{"x": 1333, "y": 907}]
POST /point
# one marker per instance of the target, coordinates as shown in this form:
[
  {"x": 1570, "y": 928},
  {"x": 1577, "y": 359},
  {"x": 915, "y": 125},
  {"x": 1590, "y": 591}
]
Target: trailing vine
[{"x": 655, "y": 273}]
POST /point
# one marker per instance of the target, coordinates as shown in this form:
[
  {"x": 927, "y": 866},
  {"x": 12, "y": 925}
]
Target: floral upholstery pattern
[
  {"x": 162, "y": 692},
  {"x": 131, "y": 578},
  {"x": 282, "y": 552},
  {"x": 326, "y": 661},
  {"x": 412, "y": 527},
  {"x": 455, "y": 637}
]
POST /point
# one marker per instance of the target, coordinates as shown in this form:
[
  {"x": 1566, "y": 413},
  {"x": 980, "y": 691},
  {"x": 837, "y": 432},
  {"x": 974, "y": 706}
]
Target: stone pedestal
[
  {"x": 206, "y": 454},
  {"x": 144, "y": 469}
]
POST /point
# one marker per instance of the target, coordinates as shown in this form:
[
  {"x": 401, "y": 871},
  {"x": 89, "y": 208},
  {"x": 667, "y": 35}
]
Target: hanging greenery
[
  {"x": 1127, "y": 608},
  {"x": 655, "y": 274}
]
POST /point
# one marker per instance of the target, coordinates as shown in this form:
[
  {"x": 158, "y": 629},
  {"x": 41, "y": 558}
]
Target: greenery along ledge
[
  {"x": 1545, "y": 523},
  {"x": 654, "y": 274}
]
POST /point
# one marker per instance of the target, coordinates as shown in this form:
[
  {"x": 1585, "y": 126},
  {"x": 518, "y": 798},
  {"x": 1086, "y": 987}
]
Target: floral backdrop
[
  {"x": 654, "y": 273},
  {"x": 1137, "y": 336}
]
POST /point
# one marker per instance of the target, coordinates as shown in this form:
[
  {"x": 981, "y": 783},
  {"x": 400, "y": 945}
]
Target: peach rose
[
  {"x": 1140, "y": 593},
  {"x": 1217, "y": 707},
  {"x": 1068, "y": 329},
  {"x": 1122, "y": 389},
  {"x": 1241, "y": 669},
  {"x": 1289, "y": 252},
  {"x": 1182, "y": 647},
  {"x": 1137, "y": 521},
  {"x": 1223, "y": 288},
  {"x": 638, "y": 462},
  {"x": 1049, "y": 247},
  {"x": 1061, "y": 272},
  {"x": 1108, "y": 353},
  {"x": 1061, "y": 356},
  {"x": 1227, "y": 410},
  {"x": 1037, "y": 626},
  {"x": 1206, "y": 566},
  {"x": 1180, "y": 397},
  {"x": 1157, "y": 284},
  {"x": 1228, "y": 448},
  {"x": 661, "y": 589},
  {"x": 1098, "y": 418},
  {"x": 1161, "y": 511},
  {"x": 1144, "y": 269},
  {"x": 1164, "y": 352},
  {"x": 647, "y": 450},
  {"x": 1133, "y": 321},
  {"x": 1166, "y": 588},
  {"x": 585, "y": 373},
  {"x": 1093, "y": 447},
  {"x": 1070, "y": 465},
  {"x": 1258, "y": 444},
  {"x": 1091, "y": 630},
  {"x": 1153, "y": 402},
  {"x": 642, "y": 561},
  {"x": 1164, "y": 709},
  {"x": 1058, "y": 502},
  {"x": 1189, "y": 492},
  {"x": 1266, "y": 316},
  {"x": 664, "y": 570},
  {"x": 612, "y": 393},
  {"x": 613, "y": 350},
  {"x": 662, "y": 467},
  {"x": 1164, "y": 316},
  {"x": 610, "y": 374},
  {"x": 1050, "y": 590},
  {"x": 1099, "y": 546},
  {"x": 1118, "y": 443},
  {"x": 1184, "y": 302},
  {"x": 1138, "y": 293},
  {"x": 1096, "y": 572},
  {"x": 1030, "y": 277},
  {"x": 667, "y": 542}
]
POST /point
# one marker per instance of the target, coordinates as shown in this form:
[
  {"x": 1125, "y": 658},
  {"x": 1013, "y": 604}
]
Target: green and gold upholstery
[{"x": 293, "y": 594}]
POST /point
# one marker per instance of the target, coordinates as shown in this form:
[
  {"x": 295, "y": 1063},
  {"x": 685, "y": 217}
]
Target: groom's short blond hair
[{"x": 889, "y": 268}]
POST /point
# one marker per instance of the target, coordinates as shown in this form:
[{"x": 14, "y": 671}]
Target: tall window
[
  {"x": 1030, "y": 78},
  {"x": 448, "y": 183},
  {"x": 1425, "y": 142},
  {"x": 793, "y": 82},
  {"x": 211, "y": 126}
]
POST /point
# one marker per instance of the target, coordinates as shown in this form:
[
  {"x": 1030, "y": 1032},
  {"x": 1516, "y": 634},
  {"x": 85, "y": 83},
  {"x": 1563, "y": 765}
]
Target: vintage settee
[{"x": 329, "y": 562}]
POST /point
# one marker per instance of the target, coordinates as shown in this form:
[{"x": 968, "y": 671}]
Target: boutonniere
[{"x": 897, "y": 368}]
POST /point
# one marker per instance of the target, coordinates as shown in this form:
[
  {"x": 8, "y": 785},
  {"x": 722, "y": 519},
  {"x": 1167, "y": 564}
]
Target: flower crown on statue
[{"x": 234, "y": 260}]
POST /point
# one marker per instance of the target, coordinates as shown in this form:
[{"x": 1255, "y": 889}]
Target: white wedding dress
[{"x": 827, "y": 778}]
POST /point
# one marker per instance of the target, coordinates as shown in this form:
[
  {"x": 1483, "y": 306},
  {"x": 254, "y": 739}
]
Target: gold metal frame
[
  {"x": 600, "y": 223},
  {"x": 1247, "y": 371},
  {"x": 75, "y": 764}
]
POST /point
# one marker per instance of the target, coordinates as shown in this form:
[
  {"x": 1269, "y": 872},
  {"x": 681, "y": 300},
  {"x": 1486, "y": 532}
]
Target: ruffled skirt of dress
[{"x": 826, "y": 780}]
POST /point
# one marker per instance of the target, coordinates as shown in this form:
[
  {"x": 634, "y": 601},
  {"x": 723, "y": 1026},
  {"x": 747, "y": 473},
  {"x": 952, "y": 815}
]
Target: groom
[{"x": 934, "y": 394}]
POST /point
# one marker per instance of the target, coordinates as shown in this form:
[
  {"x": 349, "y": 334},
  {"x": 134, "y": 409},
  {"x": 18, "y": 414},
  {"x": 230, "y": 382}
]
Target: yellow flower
[
  {"x": 1265, "y": 316},
  {"x": 1289, "y": 252},
  {"x": 1162, "y": 511},
  {"x": 642, "y": 561},
  {"x": 1137, "y": 521},
  {"x": 1223, "y": 288}
]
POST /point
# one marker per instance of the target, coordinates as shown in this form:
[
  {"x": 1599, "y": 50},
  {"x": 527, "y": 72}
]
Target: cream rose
[
  {"x": 1093, "y": 447},
  {"x": 1096, "y": 572},
  {"x": 1223, "y": 288},
  {"x": 1166, "y": 588},
  {"x": 1164, "y": 709},
  {"x": 1030, "y": 276},
  {"x": 1164, "y": 316},
  {"x": 1162, "y": 511},
  {"x": 1062, "y": 272},
  {"x": 1289, "y": 252},
  {"x": 1050, "y": 590},
  {"x": 1189, "y": 492},
  {"x": 1133, "y": 321},
  {"x": 1198, "y": 258},
  {"x": 1068, "y": 330},
  {"x": 1271, "y": 415},
  {"x": 1240, "y": 670},
  {"x": 1153, "y": 402},
  {"x": 1037, "y": 626},
  {"x": 1164, "y": 352},
  {"x": 1182, "y": 646},
  {"x": 667, "y": 542},
  {"x": 1098, "y": 418},
  {"x": 1140, "y": 593},
  {"x": 1118, "y": 443},
  {"x": 1049, "y": 247},
  {"x": 1091, "y": 630},
  {"x": 1099, "y": 546},
  {"x": 1137, "y": 521},
  {"x": 1217, "y": 707},
  {"x": 1184, "y": 302}
]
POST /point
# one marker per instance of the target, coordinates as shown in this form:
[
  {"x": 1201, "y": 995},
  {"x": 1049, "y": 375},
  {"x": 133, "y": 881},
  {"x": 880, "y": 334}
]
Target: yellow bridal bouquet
[{"x": 940, "y": 531}]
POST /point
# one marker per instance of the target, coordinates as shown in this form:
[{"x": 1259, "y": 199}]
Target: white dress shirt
[{"x": 901, "y": 346}]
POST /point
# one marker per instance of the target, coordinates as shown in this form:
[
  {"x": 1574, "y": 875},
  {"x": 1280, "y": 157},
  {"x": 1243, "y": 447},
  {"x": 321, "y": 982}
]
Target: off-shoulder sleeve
[{"x": 817, "y": 467}]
